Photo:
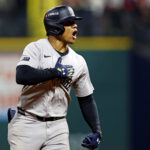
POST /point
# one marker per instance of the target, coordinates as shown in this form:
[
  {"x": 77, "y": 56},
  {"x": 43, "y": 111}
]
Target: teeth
[{"x": 74, "y": 36}]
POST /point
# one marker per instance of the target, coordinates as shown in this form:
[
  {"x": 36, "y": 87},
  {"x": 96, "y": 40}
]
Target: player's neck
[{"x": 57, "y": 44}]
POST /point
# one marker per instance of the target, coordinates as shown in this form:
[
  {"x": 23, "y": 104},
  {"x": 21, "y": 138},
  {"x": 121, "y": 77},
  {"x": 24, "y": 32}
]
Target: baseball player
[{"x": 48, "y": 69}]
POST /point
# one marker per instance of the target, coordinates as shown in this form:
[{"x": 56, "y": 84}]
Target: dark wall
[{"x": 140, "y": 96}]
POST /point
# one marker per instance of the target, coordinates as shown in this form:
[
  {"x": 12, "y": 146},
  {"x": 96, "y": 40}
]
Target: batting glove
[
  {"x": 64, "y": 71},
  {"x": 92, "y": 141}
]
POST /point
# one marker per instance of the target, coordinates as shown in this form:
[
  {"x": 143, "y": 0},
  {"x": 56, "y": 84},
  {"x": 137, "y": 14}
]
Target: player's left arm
[
  {"x": 90, "y": 113},
  {"x": 84, "y": 92}
]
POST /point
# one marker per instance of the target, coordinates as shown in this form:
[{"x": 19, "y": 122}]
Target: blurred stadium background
[{"x": 114, "y": 38}]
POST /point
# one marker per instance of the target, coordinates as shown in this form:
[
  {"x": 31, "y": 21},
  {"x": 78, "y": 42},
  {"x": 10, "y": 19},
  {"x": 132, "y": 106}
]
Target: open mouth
[{"x": 74, "y": 34}]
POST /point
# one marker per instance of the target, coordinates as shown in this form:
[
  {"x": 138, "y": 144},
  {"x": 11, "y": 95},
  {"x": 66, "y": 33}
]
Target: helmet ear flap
[{"x": 53, "y": 28}]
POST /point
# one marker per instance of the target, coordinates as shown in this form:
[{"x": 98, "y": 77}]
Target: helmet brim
[{"x": 70, "y": 18}]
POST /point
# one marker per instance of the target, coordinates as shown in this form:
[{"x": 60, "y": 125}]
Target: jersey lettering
[{"x": 66, "y": 83}]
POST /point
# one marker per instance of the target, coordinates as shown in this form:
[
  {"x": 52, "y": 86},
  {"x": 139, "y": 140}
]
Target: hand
[
  {"x": 92, "y": 141},
  {"x": 64, "y": 71}
]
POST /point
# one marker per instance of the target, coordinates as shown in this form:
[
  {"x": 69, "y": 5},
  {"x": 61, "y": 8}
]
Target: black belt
[{"x": 23, "y": 112}]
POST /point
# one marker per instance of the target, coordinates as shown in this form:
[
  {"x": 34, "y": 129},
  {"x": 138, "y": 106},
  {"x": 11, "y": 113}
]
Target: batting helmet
[{"x": 54, "y": 18}]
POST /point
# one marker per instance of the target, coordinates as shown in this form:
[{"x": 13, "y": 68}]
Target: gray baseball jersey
[{"x": 51, "y": 98}]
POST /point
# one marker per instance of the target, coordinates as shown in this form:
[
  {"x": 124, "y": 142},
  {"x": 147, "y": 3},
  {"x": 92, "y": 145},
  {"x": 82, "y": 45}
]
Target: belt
[{"x": 23, "y": 112}]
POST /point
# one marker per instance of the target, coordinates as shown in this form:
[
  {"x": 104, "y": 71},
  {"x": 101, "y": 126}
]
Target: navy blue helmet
[{"x": 54, "y": 18}]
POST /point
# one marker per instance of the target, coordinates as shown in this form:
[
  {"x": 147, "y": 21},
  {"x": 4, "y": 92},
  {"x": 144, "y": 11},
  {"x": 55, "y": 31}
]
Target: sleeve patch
[{"x": 25, "y": 58}]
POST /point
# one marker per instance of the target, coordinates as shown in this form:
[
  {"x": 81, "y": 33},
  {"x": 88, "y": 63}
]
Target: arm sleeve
[
  {"x": 27, "y": 75},
  {"x": 90, "y": 112}
]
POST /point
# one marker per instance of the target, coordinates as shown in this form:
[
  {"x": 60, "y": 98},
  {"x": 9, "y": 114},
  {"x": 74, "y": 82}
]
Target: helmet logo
[{"x": 53, "y": 14}]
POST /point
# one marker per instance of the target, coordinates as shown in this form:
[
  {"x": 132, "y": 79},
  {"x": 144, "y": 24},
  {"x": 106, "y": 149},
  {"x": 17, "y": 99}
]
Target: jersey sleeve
[
  {"x": 30, "y": 56},
  {"x": 83, "y": 86}
]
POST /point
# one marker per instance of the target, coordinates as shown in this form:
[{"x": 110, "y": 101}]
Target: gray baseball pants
[{"x": 28, "y": 133}]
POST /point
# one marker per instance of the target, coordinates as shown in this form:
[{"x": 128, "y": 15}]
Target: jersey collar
[{"x": 63, "y": 54}]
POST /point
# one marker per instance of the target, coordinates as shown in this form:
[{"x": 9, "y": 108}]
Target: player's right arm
[
  {"x": 28, "y": 72},
  {"x": 27, "y": 75}
]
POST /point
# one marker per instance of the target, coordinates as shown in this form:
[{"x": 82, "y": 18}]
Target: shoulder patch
[{"x": 25, "y": 58}]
